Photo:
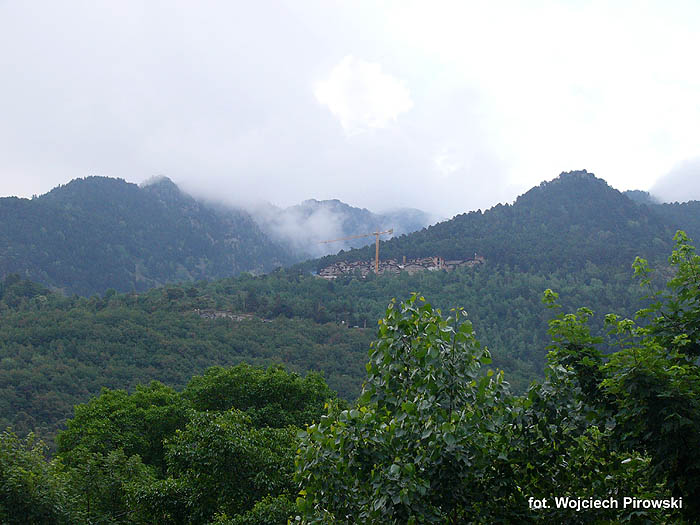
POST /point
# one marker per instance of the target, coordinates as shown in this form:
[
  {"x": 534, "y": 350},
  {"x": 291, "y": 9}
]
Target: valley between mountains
[{"x": 105, "y": 285}]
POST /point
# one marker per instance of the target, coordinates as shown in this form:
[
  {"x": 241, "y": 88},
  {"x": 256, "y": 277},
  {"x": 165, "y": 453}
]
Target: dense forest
[
  {"x": 609, "y": 436},
  {"x": 130, "y": 406},
  {"x": 223, "y": 446},
  {"x": 97, "y": 233},
  {"x": 561, "y": 225},
  {"x": 60, "y": 350},
  {"x": 435, "y": 436}
]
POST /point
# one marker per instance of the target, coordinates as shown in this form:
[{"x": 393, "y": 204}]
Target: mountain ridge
[
  {"x": 569, "y": 221},
  {"x": 305, "y": 227},
  {"x": 575, "y": 235},
  {"x": 96, "y": 233}
]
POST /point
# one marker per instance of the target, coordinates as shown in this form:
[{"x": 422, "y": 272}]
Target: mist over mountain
[
  {"x": 678, "y": 215},
  {"x": 98, "y": 233},
  {"x": 681, "y": 184},
  {"x": 566, "y": 223},
  {"x": 303, "y": 227},
  {"x": 574, "y": 234},
  {"x": 223, "y": 348},
  {"x": 641, "y": 197}
]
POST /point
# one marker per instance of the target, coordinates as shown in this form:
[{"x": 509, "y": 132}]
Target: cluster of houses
[
  {"x": 392, "y": 266},
  {"x": 219, "y": 314}
]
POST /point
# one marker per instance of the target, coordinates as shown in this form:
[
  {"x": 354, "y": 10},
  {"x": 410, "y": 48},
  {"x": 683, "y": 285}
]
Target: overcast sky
[{"x": 443, "y": 106}]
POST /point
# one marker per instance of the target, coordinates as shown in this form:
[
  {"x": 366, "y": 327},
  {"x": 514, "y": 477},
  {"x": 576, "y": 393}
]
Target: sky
[{"x": 443, "y": 106}]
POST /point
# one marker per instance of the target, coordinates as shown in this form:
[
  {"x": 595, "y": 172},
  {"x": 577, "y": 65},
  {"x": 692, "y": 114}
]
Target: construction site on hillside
[{"x": 411, "y": 266}]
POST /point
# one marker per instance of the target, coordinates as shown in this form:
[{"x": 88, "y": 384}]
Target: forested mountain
[
  {"x": 564, "y": 224},
  {"x": 640, "y": 197},
  {"x": 606, "y": 436},
  {"x": 574, "y": 234},
  {"x": 679, "y": 215},
  {"x": 684, "y": 216},
  {"x": 58, "y": 351},
  {"x": 302, "y": 227},
  {"x": 98, "y": 233}
]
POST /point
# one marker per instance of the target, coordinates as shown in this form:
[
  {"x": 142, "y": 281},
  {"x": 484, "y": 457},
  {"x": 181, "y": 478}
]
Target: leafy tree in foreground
[
  {"x": 136, "y": 423},
  {"x": 32, "y": 490},
  {"x": 103, "y": 485},
  {"x": 434, "y": 440},
  {"x": 221, "y": 450},
  {"x": 220, "y": 464},
  {"x": 271, "y": 397},
  {"x": 650, "y": 387},
  {"x": 417, "y": 448}
]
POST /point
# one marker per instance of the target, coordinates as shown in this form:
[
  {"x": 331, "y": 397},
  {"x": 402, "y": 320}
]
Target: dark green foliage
[
  {"x": 571, "y": 234},
  {"x": 432, "y": 440},
  {"x": 98, "y": 233},
  {"x": 104, "y": 485},
  {"x": 676, "y": 325},
  {"x": 640, "y": 197},
  {"x": 159, "y": 456},
  {"x": 556, "y": 448},
  {"x": 59, "y": 354},
  {"x": 649, "y": 387},
  {"x": 684, "y": 216},
  {"x": 270, "y": 398},
  {"x": 268, "y": 511},
  {"x": 614, "y": 416},
  {"x": 220, "y": 463},
  {"x": 33, "y": 491},
  {"x": 56, "y": 352},
  {"x": 655, "y": 378},
  {"x": 563, "y": 224},
  {"x": 136, "y": 424},
  {"x": 16, "y": 292},
  {"x": 414, "y": 448}
]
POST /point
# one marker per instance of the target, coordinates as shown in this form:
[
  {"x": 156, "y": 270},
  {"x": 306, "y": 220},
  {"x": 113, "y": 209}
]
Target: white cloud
[
  {"x": 681, "y": 184},
  {"x": 446, "y": 162},
  {"x": 449, "y": 105},
  {"x": 362, "y": 96}
]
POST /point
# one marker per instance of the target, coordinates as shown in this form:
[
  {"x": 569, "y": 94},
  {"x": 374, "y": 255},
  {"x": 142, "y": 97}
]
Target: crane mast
[{"x": 376, "y": 244}]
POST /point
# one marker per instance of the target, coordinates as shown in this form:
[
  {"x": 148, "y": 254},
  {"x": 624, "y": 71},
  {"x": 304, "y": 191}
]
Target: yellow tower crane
[{"x": 376, "y": 251}]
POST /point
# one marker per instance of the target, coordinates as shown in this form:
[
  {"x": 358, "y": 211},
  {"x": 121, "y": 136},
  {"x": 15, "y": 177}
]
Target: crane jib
[{"x": 376, "y": 253}]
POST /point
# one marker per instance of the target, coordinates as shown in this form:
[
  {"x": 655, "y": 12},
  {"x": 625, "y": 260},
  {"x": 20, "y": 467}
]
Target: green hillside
[
  {"x": 601, "y": 406},
  {"x": 564, "y": 224},
  {"x": 98, "y": 233},
  {"x": 607, "y": 436},
  {"x": 574, "y": 234},
  {"x": 58, "y": 351}
]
